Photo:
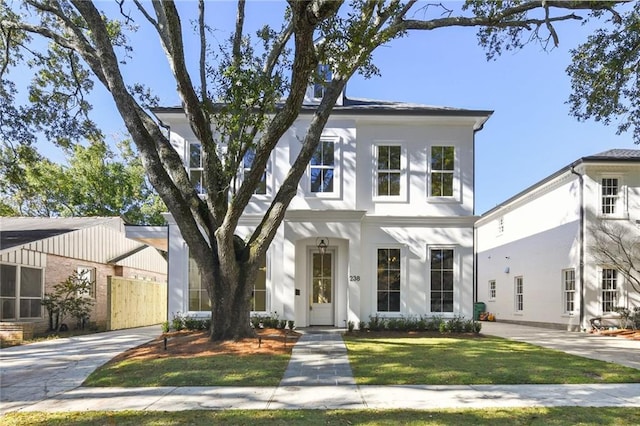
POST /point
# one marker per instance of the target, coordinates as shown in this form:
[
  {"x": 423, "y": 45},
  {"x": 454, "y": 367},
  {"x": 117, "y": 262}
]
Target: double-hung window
[
  {"x": 198, "y": 294},
  {"x": 492, "y": 290},
  {"x": 610, "y": 195},
  {"x": 389, "y": 279},
  {"x": 442, "y": 166},
  {"x": 322, "y": 167},
  {"x": 196, "y": 171},
  {"x": 569, "y": 290},
  {"x": 247, "y": 164},
  {"x": 442, "y": 279},
  {"x": 259, "y": 295},
  {"x": 519, "y": 294},
  {"x": 389, "y": 159},
  {"x": 609, "y": 284}
]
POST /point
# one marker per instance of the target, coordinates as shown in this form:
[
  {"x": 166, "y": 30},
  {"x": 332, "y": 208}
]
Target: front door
[{"x": 321, "y": 307}]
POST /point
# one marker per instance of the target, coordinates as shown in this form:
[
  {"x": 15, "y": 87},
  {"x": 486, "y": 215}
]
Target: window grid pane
[
  {"x": 442, "y": 280},
  {"x": 609, "y": 290},
  {"x": 569, "y": 289},
  {"x": 519, "y": 294},
  {"x": 389, "y": 280},
  {"x": 442, "y": 169},
  {"x": 389, "y": 160},
  {"x": 247, "y": 164},
  {"x": 609, "y": 195},
  {"x": 492, "y": 289},
  {"x": 322, "y": 167}
]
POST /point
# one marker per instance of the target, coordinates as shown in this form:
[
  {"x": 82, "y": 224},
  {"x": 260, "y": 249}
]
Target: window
[
  {"x": 196, "y": 171},
  {"x": 322, "y": 167},
  {"x": 441, "y": 280},
  {"x": 247, "y": 163},
  {"x": 609, "y": 195},
  {"x": 492, "y": 290},
  {"x": 519, "y": 293},
  {"x": 442, "y": 169},
  {"x": 198, "y": 294},
  {"x": 569, "y": 289},
  {"x": 388, "y": 280},
  {"x": 609, "y": 289},
  {"x": 259, "y": 295},
  {"x": 324, "y": 76},
  {"x": 89, "y": 275},
  {"x": 20, "y": 292},
  {"x": 501, "y": 226},
  {"x": 389, "y": 170}
]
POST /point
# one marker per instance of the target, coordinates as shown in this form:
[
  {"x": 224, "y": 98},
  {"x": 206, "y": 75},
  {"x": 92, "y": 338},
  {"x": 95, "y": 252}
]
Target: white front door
[{"x": 321, "y": 291}]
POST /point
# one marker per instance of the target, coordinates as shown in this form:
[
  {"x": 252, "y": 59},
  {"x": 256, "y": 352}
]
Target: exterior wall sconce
[
  {"x": 322, "y": 243},
  {"x": 506, "y": 270}
]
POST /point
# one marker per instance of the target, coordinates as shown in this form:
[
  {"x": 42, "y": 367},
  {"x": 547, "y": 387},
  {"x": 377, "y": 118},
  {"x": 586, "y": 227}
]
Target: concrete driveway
[
  {"x": 611, "y": 349},
  {"x": 38, "y": 371}
]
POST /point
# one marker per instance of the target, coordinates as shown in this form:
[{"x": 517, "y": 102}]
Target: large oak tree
[{"x": 244, "y": 95}]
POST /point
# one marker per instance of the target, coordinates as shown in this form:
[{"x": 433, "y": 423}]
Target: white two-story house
[
  {"x": 536, "y": 252},
  {"x": 382, "y": 223}
]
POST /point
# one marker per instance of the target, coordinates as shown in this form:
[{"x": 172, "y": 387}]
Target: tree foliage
[
  {"x": 71, "y": 297},
  {"x": 245, "y": 94},
  {"x": 617, "y": 245},
  {"x": 605, "y": 74},
  {"x": 94, "y": 182}
]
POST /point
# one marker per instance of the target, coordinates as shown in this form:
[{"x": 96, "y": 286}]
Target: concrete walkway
[{"x": 319, "y": 377}]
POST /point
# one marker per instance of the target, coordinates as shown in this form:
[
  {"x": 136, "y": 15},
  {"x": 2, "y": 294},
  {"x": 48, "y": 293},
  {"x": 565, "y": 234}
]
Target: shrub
[
  {"x": 376, "y": 323},
  {"x": 433, "y": 323},
  {"x": 362, "y": 326},
  {"x": 165, "y": 327},
  {"x": 177, "y": 322}
]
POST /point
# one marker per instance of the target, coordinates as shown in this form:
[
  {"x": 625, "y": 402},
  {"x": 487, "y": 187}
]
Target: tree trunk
[{"x": 230, "y": 283}]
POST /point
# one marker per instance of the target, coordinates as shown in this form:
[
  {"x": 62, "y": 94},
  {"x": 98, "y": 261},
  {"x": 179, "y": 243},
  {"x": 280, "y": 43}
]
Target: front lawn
[
  {"x": 463, "y": 360},
  {"x": 540, "y": 416}
]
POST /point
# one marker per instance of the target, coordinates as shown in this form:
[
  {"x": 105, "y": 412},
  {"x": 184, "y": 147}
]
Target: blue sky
[{"x": 529, "y": 136}]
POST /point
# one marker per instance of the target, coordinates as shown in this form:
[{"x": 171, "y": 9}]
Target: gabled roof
[
  {"x": 610, "y": 156},
  {"x": 15, "y": 231}
]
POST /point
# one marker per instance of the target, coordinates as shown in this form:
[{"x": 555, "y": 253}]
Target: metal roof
[{"x": 15, "y": 231}]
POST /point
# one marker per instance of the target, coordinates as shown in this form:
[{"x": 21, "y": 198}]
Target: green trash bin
[{"x": 478, "y": 308}]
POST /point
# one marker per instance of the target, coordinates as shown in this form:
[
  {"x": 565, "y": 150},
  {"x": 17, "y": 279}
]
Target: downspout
[
  {"x": 167, "y": 127},
  {"x": 581, "y": 242}
]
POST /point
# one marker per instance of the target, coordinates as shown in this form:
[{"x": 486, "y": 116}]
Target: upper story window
[
  {"x": 247, "y": 164},
  {"x": 442, "y": 171},
  {"x": 196, "y": 171},
  {"x": 492, "y": 290},
  {"x": 610, "y": 196},
  {"x": 322, "y": 167},
  {"x": 501, "y": 225},
  {"x": 389, "y": 159},
  {"x": 324, "y": 77}
]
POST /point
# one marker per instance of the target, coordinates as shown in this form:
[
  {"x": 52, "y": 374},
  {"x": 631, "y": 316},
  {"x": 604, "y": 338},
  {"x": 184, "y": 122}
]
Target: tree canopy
[
  {"x": 95, "y": 182},
  {"x": 246, "y": 92}
]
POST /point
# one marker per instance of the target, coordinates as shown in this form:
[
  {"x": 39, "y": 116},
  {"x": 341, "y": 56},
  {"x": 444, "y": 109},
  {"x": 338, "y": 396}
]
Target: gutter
[{"x": 581, "y": 242}]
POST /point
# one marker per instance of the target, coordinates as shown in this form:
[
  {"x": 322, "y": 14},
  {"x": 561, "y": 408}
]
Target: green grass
[
  {"x": 216, "y": 370},
  {"x": 472, "y": 360},
  {"x": 495, "y": 417}
]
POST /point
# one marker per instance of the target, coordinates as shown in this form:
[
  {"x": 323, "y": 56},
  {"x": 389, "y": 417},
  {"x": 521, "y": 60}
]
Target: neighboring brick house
[
  {"x": 382, "y": 223},
  {"x": 536, "y": 262},
  {"x": 38, "y": 253}
]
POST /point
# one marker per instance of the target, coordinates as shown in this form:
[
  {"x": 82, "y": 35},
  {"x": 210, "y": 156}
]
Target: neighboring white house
[
  {"x": 390, "y": 194},
  {"x": 535, "y": 257}
]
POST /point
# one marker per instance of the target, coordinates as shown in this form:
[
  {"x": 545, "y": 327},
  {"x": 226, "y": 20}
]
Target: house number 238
[{"x": 354, "y": 277}]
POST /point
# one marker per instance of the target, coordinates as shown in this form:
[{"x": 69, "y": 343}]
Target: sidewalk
[{"x": 319, "y": 377}]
